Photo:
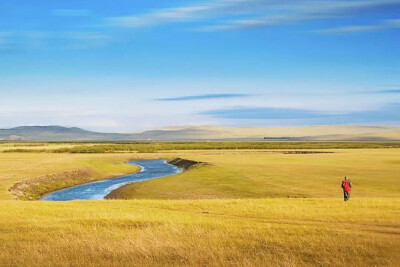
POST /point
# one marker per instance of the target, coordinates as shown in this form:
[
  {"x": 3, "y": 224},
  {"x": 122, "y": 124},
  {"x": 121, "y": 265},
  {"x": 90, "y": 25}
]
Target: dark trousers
[{"x": 346, "y": 195}]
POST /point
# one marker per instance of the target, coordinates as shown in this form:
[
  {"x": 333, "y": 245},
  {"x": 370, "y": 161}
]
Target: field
[
  {"x": 15, "y": 167},
  {"x": 285, "y": 232},
  {"x": 260, "y": 174},
  {"x": 152, "y": 147},
  {"x": 244, "y": 208}
]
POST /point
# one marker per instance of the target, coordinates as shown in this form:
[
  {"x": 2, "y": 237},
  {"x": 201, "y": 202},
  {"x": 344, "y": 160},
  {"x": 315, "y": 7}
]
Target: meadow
[
  {"x": 261, "y": 174},
  {"x": 246, "y": 232},
  {"x": 16, "y": 167},
  {"x": 245, "y": 207},
  {"x": 151, "y": 147}
]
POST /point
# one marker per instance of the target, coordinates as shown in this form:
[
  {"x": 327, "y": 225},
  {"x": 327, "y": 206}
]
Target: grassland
[
  {"x": 151, "y": 147},
  {"x": 260, "y": 174},
  {"x": 16, "y": 167},
  {"x": 246, "y": 208},
  {"x": 265, "y": 232},
  {"x": 36, "y": 146}
]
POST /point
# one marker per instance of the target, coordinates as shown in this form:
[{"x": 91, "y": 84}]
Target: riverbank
[
  {"x": 233, "y": 175},
  {"x": 91, "y": 168},
  {"x": 184, "y": 164},
  {"x": 126, "y": 192},
  {"x": 86, "y": 170},
  {"x": 98, "y": 190},
  {"x": 266, "y": 209}
]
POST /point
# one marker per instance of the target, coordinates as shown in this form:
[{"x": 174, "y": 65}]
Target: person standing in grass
[{"x": 346, "y": 185}]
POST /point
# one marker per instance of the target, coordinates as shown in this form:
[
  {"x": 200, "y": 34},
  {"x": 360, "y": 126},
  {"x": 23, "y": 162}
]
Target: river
[{"x": 151, "y": 169}]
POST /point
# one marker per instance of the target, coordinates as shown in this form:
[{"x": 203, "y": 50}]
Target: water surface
[{"x": 100, "y": 189}]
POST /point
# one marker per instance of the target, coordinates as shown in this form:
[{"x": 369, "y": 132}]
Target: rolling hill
[
  {"x": 55, "y": 133},
  {"x": 308, "y": 133}
]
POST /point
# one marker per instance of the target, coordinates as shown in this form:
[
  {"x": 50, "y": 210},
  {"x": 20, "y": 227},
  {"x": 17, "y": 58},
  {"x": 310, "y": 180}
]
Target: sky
[{"x": 128, "y": 66}]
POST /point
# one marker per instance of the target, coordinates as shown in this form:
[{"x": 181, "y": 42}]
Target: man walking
[{"x": 346, "y": 185}]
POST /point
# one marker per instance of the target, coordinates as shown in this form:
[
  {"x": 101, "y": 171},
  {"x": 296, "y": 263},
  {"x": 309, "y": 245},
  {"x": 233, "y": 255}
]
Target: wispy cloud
[
  {"x": 384, "y": 25},
  {"x": 301, "y": 11},
  {"x": 380, "y": 92},
  {"x": 265, "y": 113},
  {"x": 30, "y": 40},
  {"x": 203, "y": 97},
  {"x": 71, "y": 12},
  {"x": 196, "y": 11},
  {"x": 394, "y": 91},
  {"x": 240, "y": 14},
  {"x": 387, "y": 113}
]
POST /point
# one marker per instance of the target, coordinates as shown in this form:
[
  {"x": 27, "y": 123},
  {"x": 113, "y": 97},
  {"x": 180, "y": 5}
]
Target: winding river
[{"x": 151, "y": 169}]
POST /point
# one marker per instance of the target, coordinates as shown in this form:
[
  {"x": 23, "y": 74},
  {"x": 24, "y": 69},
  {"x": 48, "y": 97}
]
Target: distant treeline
[{"x": 149, "y": 147}]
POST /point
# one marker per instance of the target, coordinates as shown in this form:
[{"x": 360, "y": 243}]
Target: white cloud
[
  {"x": 198, "y": 11},
  {"x": 304, "y": 11},
  {"x": 89, "y": 103},
  {"x": 259, "y": 13},
  {"x": 30, "y": 40}
]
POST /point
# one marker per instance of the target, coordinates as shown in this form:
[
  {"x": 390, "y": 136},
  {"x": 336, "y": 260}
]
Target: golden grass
[
  {"x": 249, "y": 231},
  {"x": 15, "y": 167},
  {"x": 322, "y": 132},
  {"x": 258, "y": 174},
  {"x": 261, "y": 232},
  {"x": 36, "y": 145}
]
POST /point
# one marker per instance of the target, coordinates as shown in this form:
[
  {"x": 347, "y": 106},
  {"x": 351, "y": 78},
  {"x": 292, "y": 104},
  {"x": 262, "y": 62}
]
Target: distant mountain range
[
  {"x": 55, "y": 133},
  {"x": 311, "y": 133}
]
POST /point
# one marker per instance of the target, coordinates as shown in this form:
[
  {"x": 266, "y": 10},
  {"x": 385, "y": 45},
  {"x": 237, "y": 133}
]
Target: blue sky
[{"x": 123, "y": 66}]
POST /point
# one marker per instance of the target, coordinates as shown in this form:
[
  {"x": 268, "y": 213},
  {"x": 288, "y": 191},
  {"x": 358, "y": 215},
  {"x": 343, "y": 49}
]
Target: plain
[{"x": 245, "y": 207}]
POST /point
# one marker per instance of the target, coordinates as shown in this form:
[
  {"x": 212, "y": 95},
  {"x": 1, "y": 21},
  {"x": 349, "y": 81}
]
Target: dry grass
[
  {"x": 327, "y": 132},
  {"x": 36, "y": 145},
  {"x": 250, "y": 231},
  {"x": 15, "y": 167},
  {"x": 258, "y": 174},
  {"x": 262, "y": 232}
]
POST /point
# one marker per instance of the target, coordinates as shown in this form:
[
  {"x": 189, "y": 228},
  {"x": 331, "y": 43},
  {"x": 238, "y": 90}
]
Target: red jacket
[{"x": 346, "y": 185}]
